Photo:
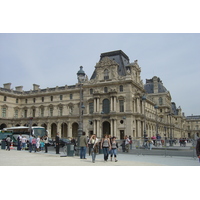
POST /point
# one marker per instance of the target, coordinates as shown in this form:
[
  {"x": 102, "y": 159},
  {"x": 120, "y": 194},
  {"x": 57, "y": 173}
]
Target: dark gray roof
[
  {"x": 119, "y": 57},
  {"x": 149, "y": 88},
  {"x": 174, "y": 109},
  {"x": 193, "y": 117}
]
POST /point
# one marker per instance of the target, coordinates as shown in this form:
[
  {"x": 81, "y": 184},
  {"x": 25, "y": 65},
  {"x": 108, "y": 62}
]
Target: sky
[
  {"x": 53, "y": 59},
  {"x": 45, "y": 43}
]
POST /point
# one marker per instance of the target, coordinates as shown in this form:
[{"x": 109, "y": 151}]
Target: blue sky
[{"x": 51, "y": 60}]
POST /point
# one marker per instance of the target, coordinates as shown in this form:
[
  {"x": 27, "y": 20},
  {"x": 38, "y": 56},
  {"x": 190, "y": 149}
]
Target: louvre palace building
[{"x": 113, "y": 101}]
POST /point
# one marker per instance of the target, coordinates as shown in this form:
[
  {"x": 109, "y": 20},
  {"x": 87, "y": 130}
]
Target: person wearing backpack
[{"x": 8, "y": 141}]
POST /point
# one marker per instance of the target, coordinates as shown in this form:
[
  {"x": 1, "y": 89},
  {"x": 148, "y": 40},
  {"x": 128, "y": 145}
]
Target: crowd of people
[{"x": 107, "y": 144}]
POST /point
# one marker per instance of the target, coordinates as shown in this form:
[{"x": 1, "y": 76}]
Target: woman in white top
[
  {"x": 38, "y": 143},
  {"x": 94, "y": 146}
]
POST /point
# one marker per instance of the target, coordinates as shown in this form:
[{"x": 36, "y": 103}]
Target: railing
[{"x": 160, "y": 148}]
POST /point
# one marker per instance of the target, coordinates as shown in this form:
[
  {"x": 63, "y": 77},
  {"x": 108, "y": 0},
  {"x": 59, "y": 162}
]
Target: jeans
[
  {"x": 150, "y": 146},
  {"x": 30, "y": 147},
  {"x": 113, "y": 151},
  {"x": 105, "y": 152},
  {"x": 93, "y": 155},
  {"x": 82, "y": 152}
]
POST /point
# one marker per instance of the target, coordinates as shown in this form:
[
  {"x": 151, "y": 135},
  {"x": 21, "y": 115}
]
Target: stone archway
[
  {"x": 64, "y": 132},
  {"x": 106, "y": 128},
  {"x": 75, "y": 130},
  {"x": 2, "y": 126},
  {"x": 53, "y": 130}
]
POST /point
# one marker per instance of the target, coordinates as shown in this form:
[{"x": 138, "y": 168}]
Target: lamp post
[
  {"x": 156, "y": 107},
  {"x": 171, "y": 143},
  {"x": 144, "y": 100},
  {"x": 30, "y": 125},
  {"x": 81, "y": 78}
]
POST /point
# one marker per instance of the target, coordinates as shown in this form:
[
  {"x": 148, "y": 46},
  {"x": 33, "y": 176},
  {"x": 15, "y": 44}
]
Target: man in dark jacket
[
  {"x": 198, "y": 148},
  {"x": 57, "y": 143}
]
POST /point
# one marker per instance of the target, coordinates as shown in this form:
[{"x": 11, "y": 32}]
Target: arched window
[
  {"x": 106, "y": 106},
  {"x": 106, "y": 74},
  {"x": 91, "y": 91}
]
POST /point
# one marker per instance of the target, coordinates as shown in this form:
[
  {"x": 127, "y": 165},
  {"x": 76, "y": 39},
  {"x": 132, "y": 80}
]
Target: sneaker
[{"x": 116, "y": 160}]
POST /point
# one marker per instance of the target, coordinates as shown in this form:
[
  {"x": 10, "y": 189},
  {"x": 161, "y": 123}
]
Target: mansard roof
[
  {"x": 149, "y": 86},
  {"x": 119, "y": 57}
]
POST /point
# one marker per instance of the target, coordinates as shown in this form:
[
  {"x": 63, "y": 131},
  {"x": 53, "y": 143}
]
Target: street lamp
[
  {"x": 171, "y": 143},
  {"x": 156, "y": 107},
  {"x": 81, "y": 78},
  {"x": 144, "y": 100}
]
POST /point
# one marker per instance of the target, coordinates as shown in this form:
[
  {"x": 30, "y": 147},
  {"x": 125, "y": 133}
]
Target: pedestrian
[
  {"x": 19, "y": 142},
  {"x": 150, "y": 142},
  {"x": 90, "y": 145},
  {"x": 24, "y": 140},
  {"x": 94, "y": 146},
  {"x": 46, "y": 143},
  {"x": 73, "y": 141},
  {"x": 42, "y": 144},
  {"x": 34, "y": 143},
  {"x": 123, "y": 145},
  {"x": 105, "y": 145},
  {"x": 8, "y": 141},
  {"x": 30, "y": 143},
  {"x": 131, "y": 142},
  {"x": 83, "y": 146},
  {"x": 114, "y": 147},
  {"x": 127, "y": 141},
  {"x": 198, "y": 149},
  {"x": 38, "y": 143},
  {"x": 154, "y": 140},
  {"x": 57, "y": 143}
]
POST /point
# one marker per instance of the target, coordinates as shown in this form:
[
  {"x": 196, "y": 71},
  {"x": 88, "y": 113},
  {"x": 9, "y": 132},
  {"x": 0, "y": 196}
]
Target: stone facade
[{"x": 113, "y": 103}]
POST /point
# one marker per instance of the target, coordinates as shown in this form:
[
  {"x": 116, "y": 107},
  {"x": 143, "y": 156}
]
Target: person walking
[
  {"x": 42, "y": 144},
  {"x": 34, "y": 143},
  {"x": 150, "y": 142},
  {"x": 19, "y": 142},
  {"x": 24, "y": 140},
  {"x": 94, "y": 146},
  {"x": 30, "y": 143},
  {"x": 114, "y": 147},
  {"x": 105, "y": 145},
  {"x": 46, "y": 143},
  {"x": 131, "y": 142},
  {"x": 83, "y": 145},
  {"x": 38, "y": 143},
  {"x": 127, "y": 142},
  {"x": 8, "y": 141},
  {"x": 57, "y": 143}
]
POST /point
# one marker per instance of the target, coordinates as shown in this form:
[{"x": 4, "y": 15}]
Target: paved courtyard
[{"x": 24, "y": 158}]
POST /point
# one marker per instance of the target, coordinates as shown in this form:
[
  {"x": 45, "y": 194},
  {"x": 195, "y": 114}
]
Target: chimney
[
  {"x": 19, "y": 88},
  {"x": 7, "y": 85},
  {"x": 36, "y": 87}
]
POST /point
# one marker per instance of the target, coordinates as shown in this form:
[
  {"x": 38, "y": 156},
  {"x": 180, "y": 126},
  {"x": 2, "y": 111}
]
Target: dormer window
[{"x": 106, "y": 74}]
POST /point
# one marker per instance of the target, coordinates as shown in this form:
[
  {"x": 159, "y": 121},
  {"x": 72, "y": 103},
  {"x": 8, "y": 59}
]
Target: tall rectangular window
[
  {"x": 71, "y": 96},
  {"x": 51, "y": 112},
  {"x": 61, "y": 97},
  {"x": 91, "y": 108},
  {"x": 42, "y": 112},
  {"x": 121, "y": 105},
  {"x": 16, "y": 113},
  {"x": 25, "y": 113},
  {"x": 60, "y": 111},
  {"x": 3, "y": 112}
]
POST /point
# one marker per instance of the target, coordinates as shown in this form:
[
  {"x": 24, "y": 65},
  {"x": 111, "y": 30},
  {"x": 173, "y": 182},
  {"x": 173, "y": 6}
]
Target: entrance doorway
[
  {"x": 121, "y": 134},
  {"x": 106, "y": 128}
]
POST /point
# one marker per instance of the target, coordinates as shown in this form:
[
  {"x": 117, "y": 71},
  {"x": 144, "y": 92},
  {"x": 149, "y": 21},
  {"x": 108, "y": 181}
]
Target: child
[{"x": 42, "y": 145}]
